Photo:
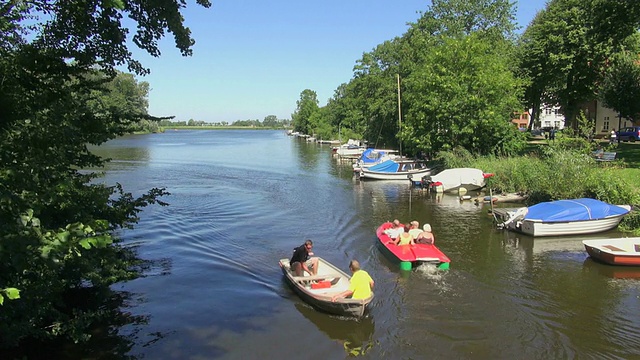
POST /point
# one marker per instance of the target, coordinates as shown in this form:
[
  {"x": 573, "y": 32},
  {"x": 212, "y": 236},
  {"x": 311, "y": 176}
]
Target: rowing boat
[{"x": 317, "y": 290}]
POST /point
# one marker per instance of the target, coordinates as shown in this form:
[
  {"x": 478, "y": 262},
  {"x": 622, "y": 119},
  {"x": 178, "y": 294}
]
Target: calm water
[{"x": 241, "y": 200}]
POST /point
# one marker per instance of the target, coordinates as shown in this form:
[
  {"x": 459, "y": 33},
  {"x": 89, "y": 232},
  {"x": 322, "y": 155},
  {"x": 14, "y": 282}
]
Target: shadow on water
[
  {"x": 108, "y": 311},
  {"x": 356, "y": 336},
  {"x": 105, "y": 342}
]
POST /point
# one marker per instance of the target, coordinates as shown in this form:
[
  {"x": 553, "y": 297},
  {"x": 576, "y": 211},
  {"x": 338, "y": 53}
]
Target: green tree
[
  {"x": 462, "y": 96},
  {"x": 568, "y": 46},
  {"x": 58, "y": 227},
  {"x": 270, "y": 121},
  {"x": 124, "y": 97},
  {"x": 368, "y": 104},
  {"x": 307, "y": 105},
  {"x": 620, "y": 89}
]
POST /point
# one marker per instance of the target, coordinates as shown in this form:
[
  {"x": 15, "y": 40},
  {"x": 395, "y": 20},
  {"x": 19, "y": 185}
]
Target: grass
[{"x": 628, "y": 156}]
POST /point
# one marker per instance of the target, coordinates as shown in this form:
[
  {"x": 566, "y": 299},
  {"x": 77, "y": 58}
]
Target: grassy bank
[{"x": 548, "y": 172}]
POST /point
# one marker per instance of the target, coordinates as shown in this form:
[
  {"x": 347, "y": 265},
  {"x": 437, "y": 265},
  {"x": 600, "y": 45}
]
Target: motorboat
[
  {"x": 615, "y": 251},
  {"x": 396, "y": 170},
  {"x": 410, "y": 256},
  {"x": 372, "y": 156},
  {"x": 563, "y": 217},
  {"x": 350, "y": 149},
  {"x": 459, "y": 180},
  {"x": 317, "y": 290}
]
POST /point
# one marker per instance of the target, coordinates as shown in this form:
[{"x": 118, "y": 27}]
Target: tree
[
  {"x": 620, "y": 89},
  {"x": 369, "y": 102},
  {"x": 568, "y": 46},
  {"x": 57, "y": 237},
  {"x": 462, "y": 96},
  {"x": 270, "y": 121},
  {"x": 306, "y": 107},
  {"x": 124, "y": 97}
]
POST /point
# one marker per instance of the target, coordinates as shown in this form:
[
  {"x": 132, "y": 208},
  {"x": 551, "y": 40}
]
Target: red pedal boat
[{"x": 411, "y": 256}]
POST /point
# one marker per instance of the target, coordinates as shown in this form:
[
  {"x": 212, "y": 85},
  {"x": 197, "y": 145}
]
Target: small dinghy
[
  {"x": 620, "y": 251},
  {"x": 318, "y": 290}
]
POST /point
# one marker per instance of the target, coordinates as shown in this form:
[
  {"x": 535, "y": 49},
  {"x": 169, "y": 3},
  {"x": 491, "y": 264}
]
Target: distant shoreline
[{"x": 169, "y": 128}]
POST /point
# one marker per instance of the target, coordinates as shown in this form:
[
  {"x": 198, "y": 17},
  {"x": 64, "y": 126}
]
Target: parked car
[{"x": 631, "y": 133}]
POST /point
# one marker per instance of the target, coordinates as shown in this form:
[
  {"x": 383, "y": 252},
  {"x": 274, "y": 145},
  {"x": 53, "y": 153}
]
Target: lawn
[{"x": 629, "y": 153}]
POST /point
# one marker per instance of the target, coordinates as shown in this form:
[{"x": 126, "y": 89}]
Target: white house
[
  {"x": 608, "y": 119},
  {"x": 551, "y": 117}
]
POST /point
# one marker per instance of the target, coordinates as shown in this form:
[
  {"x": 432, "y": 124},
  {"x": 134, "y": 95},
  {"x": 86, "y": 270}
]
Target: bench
[
  {"x": 316, "y": 277},
  {"x": 606, "y": 156}
]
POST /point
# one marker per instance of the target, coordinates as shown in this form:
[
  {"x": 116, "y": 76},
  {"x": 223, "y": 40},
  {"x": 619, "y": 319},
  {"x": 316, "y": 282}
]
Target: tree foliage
[
  {"x": 620, "y": 89},
  {"x": 307, "y": 106},
  {"x": 463, "y": 96},
  {"x": 457, "y": 84},
  {"x": 567, "y": 47},
  {"x": 57, "y": 234}
]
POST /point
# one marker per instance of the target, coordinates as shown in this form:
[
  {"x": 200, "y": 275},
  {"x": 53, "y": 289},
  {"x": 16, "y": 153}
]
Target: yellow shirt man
[{"x": 360, "y": 285}]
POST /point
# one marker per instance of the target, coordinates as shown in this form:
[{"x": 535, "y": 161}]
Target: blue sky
[{"x": 254, "y": 58}]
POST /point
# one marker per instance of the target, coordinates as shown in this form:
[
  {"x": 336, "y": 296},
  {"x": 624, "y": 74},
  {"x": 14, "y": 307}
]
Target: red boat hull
[{"x": 415, "y": 254}]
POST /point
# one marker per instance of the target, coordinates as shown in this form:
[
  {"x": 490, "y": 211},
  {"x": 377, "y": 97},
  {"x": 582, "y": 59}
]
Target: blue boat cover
[
  {"x": 389, "y": 166},
  {"x": 573, "y": 210},
  {"x": 371, "y": 156}
]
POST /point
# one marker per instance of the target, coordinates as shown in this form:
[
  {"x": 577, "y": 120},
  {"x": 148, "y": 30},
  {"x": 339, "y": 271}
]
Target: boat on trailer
[{"x": 317, "y": 290}]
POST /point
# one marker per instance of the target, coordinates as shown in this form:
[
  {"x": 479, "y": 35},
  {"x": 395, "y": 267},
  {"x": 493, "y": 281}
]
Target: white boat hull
[
  {"x": 621, "y": 251},
  {"x": 539, "y": 228},
  {"x": 366, "y": 174}
]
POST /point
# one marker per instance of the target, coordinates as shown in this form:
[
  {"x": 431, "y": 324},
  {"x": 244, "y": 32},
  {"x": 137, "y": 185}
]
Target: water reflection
[
  {"x": 308, "y": 154},
  {"x": 616, "y": 272},
  {"x": 124, "y": 158},
  {"x": 106, "y": 340},
  {"x": 356, "y": 336}
]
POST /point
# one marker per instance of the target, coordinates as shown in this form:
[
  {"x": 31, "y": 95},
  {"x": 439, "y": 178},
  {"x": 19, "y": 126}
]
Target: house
[
  {"x": 550, "y": 117},
  {"x": 521, "y": 119},
  {"x": 607, "y": 119}
]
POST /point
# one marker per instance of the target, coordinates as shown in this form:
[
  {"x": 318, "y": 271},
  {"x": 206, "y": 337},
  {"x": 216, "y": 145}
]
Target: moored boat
[
  {"x": 411, "y": 256},
  {"x": 456, "y": 180},
  {"x": 371, "y": 157},
  {"x": 318, "y": 290},
  {"x": 396, "y": 170},
  {"x": 617, "y": 251},
  {"x": 351, "y": 149},
  {"x": 564, "y": 217}
]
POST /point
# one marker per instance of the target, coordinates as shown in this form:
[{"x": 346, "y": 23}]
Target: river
[{"x": 240, "y": 200}]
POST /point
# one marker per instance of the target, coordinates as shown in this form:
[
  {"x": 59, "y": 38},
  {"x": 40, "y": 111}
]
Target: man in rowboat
[
  {"x": 361, "y": 283},
  {"x": 302, "y": 259}
]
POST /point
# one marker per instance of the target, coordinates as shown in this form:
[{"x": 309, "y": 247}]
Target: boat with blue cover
[
  {"x": 396, "y": 170},
  {"x": 564, "y": 217},
  {"x": 372, "y": 156}
]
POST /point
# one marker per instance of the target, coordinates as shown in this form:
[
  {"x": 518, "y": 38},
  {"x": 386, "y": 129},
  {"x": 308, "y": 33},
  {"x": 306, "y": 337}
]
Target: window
[{"x": 605, "y": 125}]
